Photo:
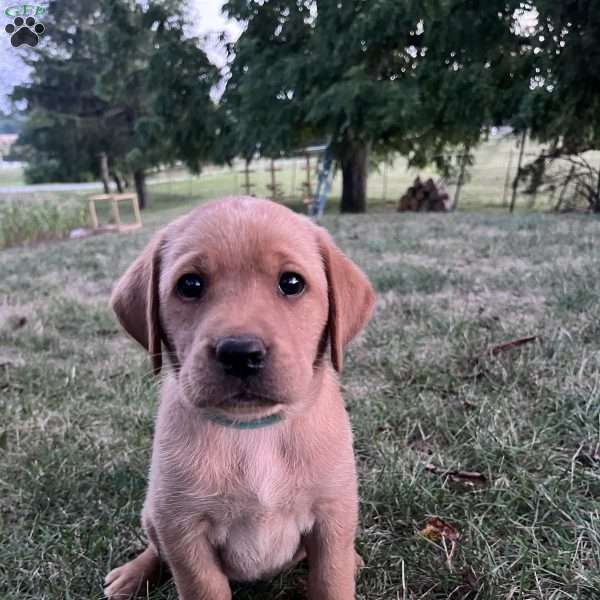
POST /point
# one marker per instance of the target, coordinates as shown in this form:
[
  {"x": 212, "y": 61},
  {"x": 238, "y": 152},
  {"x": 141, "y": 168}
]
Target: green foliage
[
  {"x": 265, "y": 95},
  {"x": 564, "y": 105},
  {"x": 426, "y": 79},
  {"x": 62, "y": 126},
  {"x": 119, "y": 78},
  {"x": 561, "y": 107}
]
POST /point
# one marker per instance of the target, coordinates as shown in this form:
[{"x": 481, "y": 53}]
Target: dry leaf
[
  {"x": 471, "y": 478},
  {"x": 512, "y": 344},
  {"x": 10, "y": 359},
  {"x": 437, "y": 530}
]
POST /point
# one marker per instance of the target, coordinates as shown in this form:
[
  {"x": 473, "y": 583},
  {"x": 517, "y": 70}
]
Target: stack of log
[{"x": 425, "y": 196}]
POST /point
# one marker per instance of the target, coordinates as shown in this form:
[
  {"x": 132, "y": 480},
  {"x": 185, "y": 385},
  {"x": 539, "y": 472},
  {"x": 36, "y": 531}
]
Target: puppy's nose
[{"x": 241, "y": 356}]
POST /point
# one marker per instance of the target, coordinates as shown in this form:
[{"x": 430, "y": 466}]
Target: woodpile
[{"x": 425, "y": 196}]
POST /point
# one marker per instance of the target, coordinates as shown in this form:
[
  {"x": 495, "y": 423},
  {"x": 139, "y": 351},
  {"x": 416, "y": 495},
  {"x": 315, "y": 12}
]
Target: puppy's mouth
[{"x": 247, "y": 403}]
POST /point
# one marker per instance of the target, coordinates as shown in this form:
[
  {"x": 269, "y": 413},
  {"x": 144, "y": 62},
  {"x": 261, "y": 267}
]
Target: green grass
[
  {"x": 384, "y": 188},
  {"x": 29, "y": 217},
  {"x": 10, "y": 175},
  {"x": 77, "y": 402},
  {"x": 484, "y": 189},
  {"x": 25, "y": 219}
]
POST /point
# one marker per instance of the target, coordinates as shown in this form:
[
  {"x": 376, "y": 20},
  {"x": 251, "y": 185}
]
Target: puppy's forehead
[{"x": 238, "y": 232}]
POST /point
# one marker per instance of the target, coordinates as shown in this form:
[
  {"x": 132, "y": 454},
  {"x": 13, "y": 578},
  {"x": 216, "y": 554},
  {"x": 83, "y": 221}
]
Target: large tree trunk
[
  {"x": 139, "y": 178},
  {"x": 354, "y": 177}
]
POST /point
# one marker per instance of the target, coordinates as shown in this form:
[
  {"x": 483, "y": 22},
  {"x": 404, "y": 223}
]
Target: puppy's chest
[
  {"x": 257, "y": 509},
  {"x": 247, "y": 490},
  {"x": 260, "y": 531},
  {"x": 254, "y": 489}
]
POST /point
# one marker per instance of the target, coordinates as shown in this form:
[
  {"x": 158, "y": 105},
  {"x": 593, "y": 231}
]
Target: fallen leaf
[
  {"x": 512, "y": 344},
  {"x": 437, "y": 530},
  {"x": 470, "y": 478},
  {"x": 447, "y": 536}
]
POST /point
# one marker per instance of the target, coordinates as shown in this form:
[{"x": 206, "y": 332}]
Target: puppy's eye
[
  {"x": 190, "y": 286},
  {"x": 291, "y": 284}
]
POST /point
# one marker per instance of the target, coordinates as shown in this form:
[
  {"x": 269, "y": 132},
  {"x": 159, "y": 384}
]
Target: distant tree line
[{"x": 426, "y": 79}]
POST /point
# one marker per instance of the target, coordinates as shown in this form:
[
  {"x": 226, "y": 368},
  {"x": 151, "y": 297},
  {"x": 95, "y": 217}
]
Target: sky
[
  {"x": 208, "y": 21},
  {"x": 206, "y": 18}
]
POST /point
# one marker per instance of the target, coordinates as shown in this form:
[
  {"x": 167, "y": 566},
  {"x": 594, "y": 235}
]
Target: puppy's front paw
[
  {"x": 123, "y": 582},
  {"x": 132, "y": 578}
]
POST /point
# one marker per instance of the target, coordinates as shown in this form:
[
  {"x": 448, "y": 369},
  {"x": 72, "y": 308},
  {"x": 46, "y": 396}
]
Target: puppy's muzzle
[{"x": 242, "y": 356}]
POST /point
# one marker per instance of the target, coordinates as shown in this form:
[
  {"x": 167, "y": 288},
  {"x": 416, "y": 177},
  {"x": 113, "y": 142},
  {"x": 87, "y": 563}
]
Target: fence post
[
  {"x": 274, "y": 187},
  {"x": 247, "y": 185},
  {"x": 307, "y": 183},
  {"x": 507, "y": 179},
  {"x": 515, "y": 183}
]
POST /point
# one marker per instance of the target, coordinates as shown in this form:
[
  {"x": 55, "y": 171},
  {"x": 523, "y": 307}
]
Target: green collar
[{"x": 254, "y": 424}]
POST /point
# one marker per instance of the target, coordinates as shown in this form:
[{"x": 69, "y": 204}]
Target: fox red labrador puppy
[{"x": 252, "y": 464}]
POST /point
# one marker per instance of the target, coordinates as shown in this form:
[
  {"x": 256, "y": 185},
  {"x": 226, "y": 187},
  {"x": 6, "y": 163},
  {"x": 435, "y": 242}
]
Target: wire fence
[{"x": 487, "y": 183}]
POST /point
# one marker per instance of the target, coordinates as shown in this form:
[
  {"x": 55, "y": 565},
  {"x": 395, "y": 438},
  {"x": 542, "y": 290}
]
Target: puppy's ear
[
  {"x": 351, "y": 297},
  {"x": 135, "y": 300}
]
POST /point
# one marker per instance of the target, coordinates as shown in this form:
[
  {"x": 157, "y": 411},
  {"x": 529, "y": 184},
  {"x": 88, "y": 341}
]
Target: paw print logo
[{"x": 24, "y": 31}]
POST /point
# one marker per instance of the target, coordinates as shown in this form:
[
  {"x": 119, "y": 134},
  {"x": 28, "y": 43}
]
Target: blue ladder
[{"x": 324, "y": 182}]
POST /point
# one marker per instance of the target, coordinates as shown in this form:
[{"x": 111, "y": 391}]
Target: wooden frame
[{"x": 114, "y": 200}]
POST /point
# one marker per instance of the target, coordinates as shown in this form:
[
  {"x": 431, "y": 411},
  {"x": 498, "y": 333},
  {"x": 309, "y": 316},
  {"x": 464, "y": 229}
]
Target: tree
[
  {"x": 471, "y": 72},
  {"x": 562, "y": 106},
  {"x": 130, "y": 83},
  {"x": 421, "y": 78},
  {"x": 263, "y": 100},
  {"x": 299, "y": 72},
  {"x": 61, "y": 126}
]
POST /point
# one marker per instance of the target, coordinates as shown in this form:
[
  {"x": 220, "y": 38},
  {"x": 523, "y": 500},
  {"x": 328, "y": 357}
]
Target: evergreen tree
[
  {"x": 62, "y": 126},
  {"x": 120, "y": 79},
  {"x": 421, "y": 78}
]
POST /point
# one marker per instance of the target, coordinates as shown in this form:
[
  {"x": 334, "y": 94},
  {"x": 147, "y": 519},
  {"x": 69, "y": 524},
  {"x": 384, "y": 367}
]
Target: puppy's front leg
[
  {"x": 196, "y": 570},
  {"x": 331, "y": 555}
]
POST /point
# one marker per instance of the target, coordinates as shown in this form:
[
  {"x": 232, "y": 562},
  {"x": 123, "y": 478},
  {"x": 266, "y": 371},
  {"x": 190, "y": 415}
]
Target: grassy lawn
[
  {"x": 77, "y": 402},
  {"x": 27, "y": 217},
  {"x": 11, "y": 175},
  {"x": 484, "y": 189}
]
